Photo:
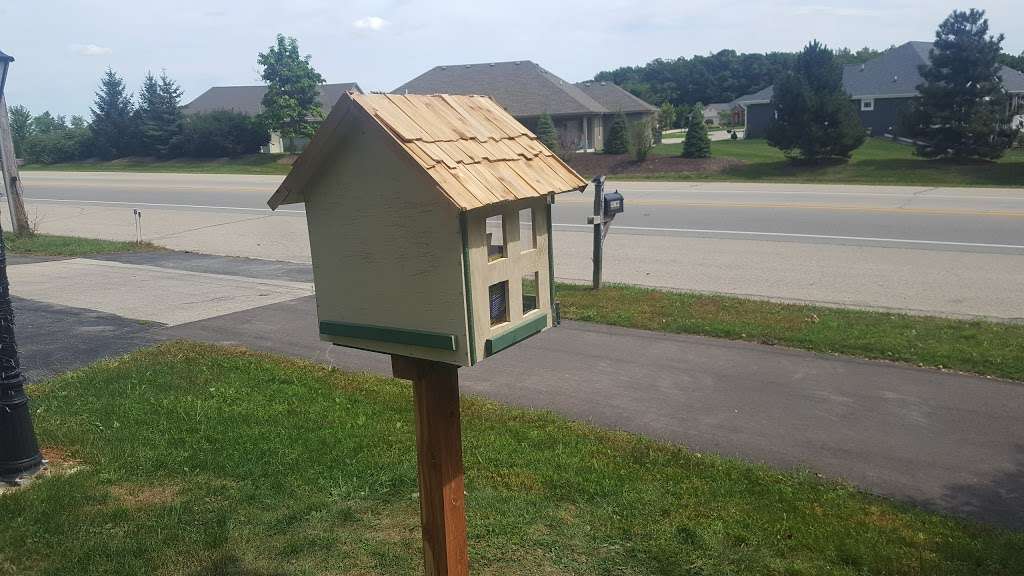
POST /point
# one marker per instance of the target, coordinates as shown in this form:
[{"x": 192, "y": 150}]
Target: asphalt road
[
  {"x": 963, "y": 219},
  {"x": 940, "y": 251}
]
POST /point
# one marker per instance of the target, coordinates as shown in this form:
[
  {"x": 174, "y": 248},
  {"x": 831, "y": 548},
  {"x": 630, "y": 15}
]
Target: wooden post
[
  {"x": 9, "y": 167},
  {"x": 439, "y": 455}
]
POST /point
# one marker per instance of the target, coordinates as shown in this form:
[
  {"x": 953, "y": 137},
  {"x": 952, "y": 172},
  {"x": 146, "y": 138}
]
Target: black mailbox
[{"x": 613, "y": 204}]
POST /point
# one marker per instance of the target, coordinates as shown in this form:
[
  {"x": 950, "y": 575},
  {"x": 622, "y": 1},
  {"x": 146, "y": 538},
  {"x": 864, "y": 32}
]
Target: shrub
[
  {"x": 697, "y": 143},
  {"x": 218, "y": 134},
  {"x": 617, "y": 140},
  {"x": 547, "y": 133},
  {"x": 65, "y": 145},
  {"x": 733, "y": 136},
  {"x": 640, "y": 139}
]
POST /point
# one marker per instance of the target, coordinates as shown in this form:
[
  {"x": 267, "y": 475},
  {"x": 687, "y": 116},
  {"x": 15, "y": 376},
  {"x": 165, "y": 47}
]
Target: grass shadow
[{"x": 229, "y": 564}]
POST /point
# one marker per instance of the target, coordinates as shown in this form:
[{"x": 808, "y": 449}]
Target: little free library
[{"x": 430, "y": 231}]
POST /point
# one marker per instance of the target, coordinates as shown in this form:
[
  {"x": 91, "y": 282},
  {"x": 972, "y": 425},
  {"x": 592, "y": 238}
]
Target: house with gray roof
[
  {"x": 248, "y": 100},
  {"x": 880, "y": 88},
  {"x": 581, "y": 112}
]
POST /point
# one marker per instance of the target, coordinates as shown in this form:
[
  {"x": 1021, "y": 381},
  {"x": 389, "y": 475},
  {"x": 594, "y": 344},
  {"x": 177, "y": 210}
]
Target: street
[{"x": 945, "y": 251}]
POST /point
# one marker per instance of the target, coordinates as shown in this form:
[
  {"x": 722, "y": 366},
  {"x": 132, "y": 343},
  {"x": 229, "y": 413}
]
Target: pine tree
[
  {"x": 113, "y": 127},
  {"x": 291, "y": 105},
  {"x": 159, "y": 114},
  {"x": 617, "y": 140},
  {"x": 963, "y": 110},
  {"x": 21, "y": 127},
  {"x": 547, "y": 133},
  {"x": 814, "y": 116},
  {"x": 697, "y": 143}
]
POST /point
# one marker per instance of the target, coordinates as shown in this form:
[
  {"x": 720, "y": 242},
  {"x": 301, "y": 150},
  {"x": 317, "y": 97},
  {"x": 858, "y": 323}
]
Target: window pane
[
  {"x": 495, "y": 238},
  {"x": 527, "y": 235},
  {"x": 530, "y": 292},
  {"x": 498, "y": 294}
]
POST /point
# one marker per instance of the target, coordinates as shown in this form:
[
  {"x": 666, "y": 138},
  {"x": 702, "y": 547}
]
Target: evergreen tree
[
  {"x": 963, "y": 110},
  {"x": 291, "y": 105},
  {"x": 617, "y": 140},
  {"x": 697, "y": 143},
  {"x": 814, "y": 117},
  {"x": 21, "y": 127},
  {"x": 547, "y": 133},
  {"x": 159, "y": 114},
  {"x": 113, "y": 125}
]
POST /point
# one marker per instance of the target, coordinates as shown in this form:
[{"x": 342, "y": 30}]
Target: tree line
[{"x": 153, "y": 123}]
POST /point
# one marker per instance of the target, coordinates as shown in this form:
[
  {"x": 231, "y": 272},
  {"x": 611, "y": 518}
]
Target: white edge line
[{"x": 793, "y": 235}]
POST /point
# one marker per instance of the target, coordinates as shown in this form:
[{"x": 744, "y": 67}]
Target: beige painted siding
[{"x": 386, "y": 246}]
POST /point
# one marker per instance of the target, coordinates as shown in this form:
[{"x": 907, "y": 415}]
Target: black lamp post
[{"x": 19, "y": 450}]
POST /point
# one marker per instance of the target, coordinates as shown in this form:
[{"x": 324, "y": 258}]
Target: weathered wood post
[
  {"x": 8, "y": 162},
  {"x": 439, "y": 456}
]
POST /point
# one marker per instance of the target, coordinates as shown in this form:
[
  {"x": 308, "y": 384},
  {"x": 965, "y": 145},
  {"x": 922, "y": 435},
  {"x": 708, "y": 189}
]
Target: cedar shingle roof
[{"x": 475, "y": 152}]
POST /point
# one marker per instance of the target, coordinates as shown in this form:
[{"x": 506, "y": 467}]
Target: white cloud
[
  {"x": 374, "y": 23},
  {"x": 89, "y": 50}
]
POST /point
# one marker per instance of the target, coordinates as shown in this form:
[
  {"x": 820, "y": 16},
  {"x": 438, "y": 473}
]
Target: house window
[
  {"x": 530, "y": 292},
  {"x": 867, "y": 104},
  {"x": 496, "y": 247},
  {"x": 498, "y": 296},
  {"x": 527, "y": 231}
]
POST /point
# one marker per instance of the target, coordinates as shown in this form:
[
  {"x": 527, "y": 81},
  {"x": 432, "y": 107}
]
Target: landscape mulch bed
[{"x": 594, "y": 164}]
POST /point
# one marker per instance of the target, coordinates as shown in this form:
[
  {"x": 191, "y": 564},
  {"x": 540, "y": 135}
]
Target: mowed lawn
[
  {"x": 878, "y": 161},
  {"x": 248, "y": 164},
  {"x": 71, "y": 246},
  {"x": 200, "y": 460}
]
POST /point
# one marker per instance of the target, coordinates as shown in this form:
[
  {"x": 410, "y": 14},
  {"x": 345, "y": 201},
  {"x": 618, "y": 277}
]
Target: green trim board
[
  {"x": 468, "y": 279},
  {"x": 390, "y": 335},
  {"x": 516, "y": 335}
]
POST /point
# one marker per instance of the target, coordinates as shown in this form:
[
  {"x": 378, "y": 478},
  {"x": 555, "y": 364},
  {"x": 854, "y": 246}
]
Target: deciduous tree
[
  {"x": 21, "y": 127},
  {"x": 291, "y": 105}
]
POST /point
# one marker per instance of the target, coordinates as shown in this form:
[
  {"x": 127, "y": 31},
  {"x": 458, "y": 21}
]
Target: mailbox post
[{"x": 606, "y": 206}]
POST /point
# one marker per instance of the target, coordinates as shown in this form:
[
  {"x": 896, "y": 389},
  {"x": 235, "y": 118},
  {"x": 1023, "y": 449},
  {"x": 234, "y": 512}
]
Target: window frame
[{"x": 867, "y": 104}]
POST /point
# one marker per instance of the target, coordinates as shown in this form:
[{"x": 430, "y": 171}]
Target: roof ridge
[{"x": 560, "y": 83}]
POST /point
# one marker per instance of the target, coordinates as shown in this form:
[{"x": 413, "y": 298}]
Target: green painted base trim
[
  {"x": 390, "y": 335},
  {"x": 516, "y": 335}
]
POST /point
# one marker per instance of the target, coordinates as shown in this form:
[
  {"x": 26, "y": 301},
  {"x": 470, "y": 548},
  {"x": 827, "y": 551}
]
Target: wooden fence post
[{"x": 439, "y": 456}]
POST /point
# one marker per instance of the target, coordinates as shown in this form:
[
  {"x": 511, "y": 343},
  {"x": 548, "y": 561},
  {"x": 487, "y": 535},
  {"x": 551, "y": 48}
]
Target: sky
[{"x": 62, "y": 47}]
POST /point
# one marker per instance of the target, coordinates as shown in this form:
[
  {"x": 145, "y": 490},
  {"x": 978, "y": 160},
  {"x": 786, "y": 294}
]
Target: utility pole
[
  {"x": 19, "y": 450},
  {"x": 8, "y": 161}
]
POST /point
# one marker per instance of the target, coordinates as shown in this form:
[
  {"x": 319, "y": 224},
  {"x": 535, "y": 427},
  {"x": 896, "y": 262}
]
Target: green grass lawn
[
  {"x": 249, "y": 164},
  {"x": 48, "y": 245},
  {"x": 988, "y": 348},
  {"x": 200, "y": 460},
  {"x": 878, "y": 161}
]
